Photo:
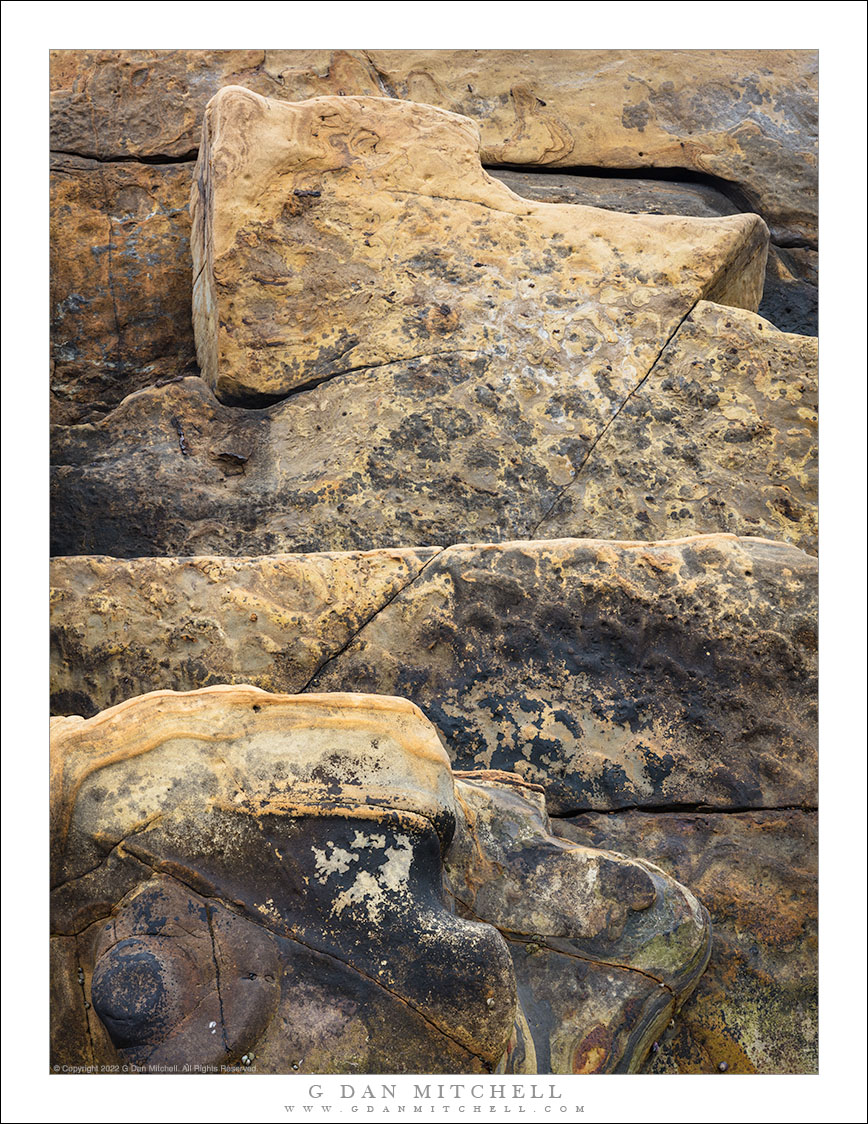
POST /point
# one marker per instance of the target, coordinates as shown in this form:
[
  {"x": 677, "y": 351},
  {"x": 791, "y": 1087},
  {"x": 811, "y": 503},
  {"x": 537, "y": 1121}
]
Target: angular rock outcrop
[
  {"x": 347, "y": 233},
  {"x": 722, "y": 435},
  {"x": 242, "y": 878},
  {"x": 755, "y": 1008},
  {"x": 614, "y": 674}
]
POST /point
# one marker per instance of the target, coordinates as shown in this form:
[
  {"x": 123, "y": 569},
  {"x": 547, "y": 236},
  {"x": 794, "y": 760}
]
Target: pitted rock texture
[
  {"x": 605, "y": 948},
  {"x": 722, "y": 435},
  {"x": 120, "y": 282},
  {"x": 345, "y": 233},
  {"x": 614, "y": 674},
  {"x": 123, "y": 628},
  {"x": 755, "y": 1008},
  {"x": 239, "y": 876},
  {"x": 747, "y": 117},
  {"x": 790, "y": 294}
]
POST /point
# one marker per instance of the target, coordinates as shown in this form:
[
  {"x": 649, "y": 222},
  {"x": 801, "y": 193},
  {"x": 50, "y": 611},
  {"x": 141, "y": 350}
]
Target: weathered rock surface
[
  {"x": 123, "y": 628},
  {"x": 242, "y": 877},
  {"x": 614, "y": 674},
  {"x": 789, "y": 297},
  {"x": 424, "y": 421},
  {"x": 605, "y": 948},
  {"x": 755, "y": 1008},
  {"x": 242, "y": 872},
  {"x": 747, "y": 117},
  {"x": 120, "y": 282},
  {"x": 722, "y": 435},
  {"x": 342, "y": 233}
]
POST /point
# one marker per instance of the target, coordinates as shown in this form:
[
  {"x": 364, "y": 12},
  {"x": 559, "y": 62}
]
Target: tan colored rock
[
  {"x": 121, "y": 629},
  {"x": 605, "y": 948},
  {"x": 789, "y": 297},
  {"x": 349, "y": 233},
  {"x": 755, "y": 1008},
  {"x": 722, "y": 435},
  {"x": 120, "y": 282},
  {"x": 746, "y": 117}
]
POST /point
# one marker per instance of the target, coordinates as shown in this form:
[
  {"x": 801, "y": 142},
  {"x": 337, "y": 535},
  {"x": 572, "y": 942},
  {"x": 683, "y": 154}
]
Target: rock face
[
  {"x": 120, "y": 282},
  {"x": 755, "y": 1008},
  {"x": 747, "y": 117},
  {"x": 246, "y": 878},
  {"x": 613, "y": 674},
  {"x": 348, "y": 233},
  {"x": 722, "y": 434},
  {"x": 126, "y": 127},
  {"x": 121, "y": 629},
  {"x": 449, "y": 307}
]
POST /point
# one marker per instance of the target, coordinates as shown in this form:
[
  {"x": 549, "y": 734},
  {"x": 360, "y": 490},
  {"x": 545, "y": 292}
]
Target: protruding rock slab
[
  {"x": 789, "y": 297},
  {"x": 605, "y": 948},
  {"x": 722, "y": 435},
  {"x": 123, "y": 628},
  {"x": 120, "y": 282},
  {"x": 614, "y": 674},
  {"x": 345, "y": 233},
  {"x": 755, "y": 1008},
  {"x": 747, "y": 117}
]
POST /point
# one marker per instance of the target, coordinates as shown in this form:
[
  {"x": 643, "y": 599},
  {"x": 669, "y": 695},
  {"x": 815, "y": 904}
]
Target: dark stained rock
[
  {"x": 755, "y": 1008},
  {"x": 605, "y": 948},
  {"x": 613, "y": 674},
  {"x": 250, "y": 873}
]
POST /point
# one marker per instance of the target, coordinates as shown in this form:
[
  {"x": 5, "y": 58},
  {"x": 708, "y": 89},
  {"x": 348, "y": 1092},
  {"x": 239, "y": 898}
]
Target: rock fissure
[{"x": 532, "y": 534}]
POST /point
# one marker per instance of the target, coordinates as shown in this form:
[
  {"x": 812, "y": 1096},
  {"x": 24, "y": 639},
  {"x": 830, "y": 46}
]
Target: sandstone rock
[
  {"x": 247, "y": 873},
  {"x": 120, "y": 282},
  {"x": 422, "y": 424},
  {"x": 747, "y": 117},
  {"x": 121, "y": 629},
  {"x": 238, "y": 875},
  {"x": 347, "y": 233},
  {"x": 614, "y": 674},
  {"x": 722, "y": 435},
  {"x": 605, "y": 948},
  {"x": 789, "y": 297},
  {"x": 755, "y": 1008}
]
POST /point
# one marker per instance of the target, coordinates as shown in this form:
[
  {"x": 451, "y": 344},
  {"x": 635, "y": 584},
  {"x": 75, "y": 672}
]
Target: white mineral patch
[
  {"x": 338, "y": 862},
  {"x": 371, "y": 889}
]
